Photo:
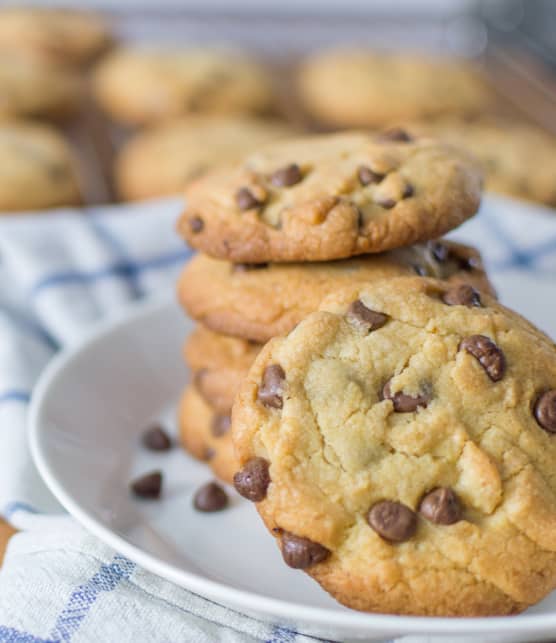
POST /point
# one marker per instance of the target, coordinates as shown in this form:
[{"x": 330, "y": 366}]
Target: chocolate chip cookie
[
  {"x": 205, "y": 434},
  {"x": 163, "y": 159},
  {"x": 364, "y": 88},
  {"x": 37, "y": 168},
  {"x": 31, "y": 87},
  {"x": 400, "y": 445},
  {"x": 330, "y": 197},
  {"x": 218, "y": 363},
  {"x": 518, "y": 158},
  {"x": 142, "y": 86},
  {"x": 260, "y": 301},
  {"x": 62, "y": 36}
]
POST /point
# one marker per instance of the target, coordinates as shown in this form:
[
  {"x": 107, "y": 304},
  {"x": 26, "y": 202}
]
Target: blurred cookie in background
[
  {"x": 59, "y": 35},
  {"x": 518, "y": 158},
  {"x": 37, "y": 168},
  {"x": 142, "y": 86},
  {"x": 161, "y": 160},
  {"x": 31, "y": 87},
  {"x": 365, "y": 88}
]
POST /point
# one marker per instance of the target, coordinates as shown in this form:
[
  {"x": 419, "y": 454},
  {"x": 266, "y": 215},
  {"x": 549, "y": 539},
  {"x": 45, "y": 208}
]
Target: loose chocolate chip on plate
[
  {"x": 271, "y": 390},
  {"x": 196, "y": 224},
  {"x": 220, "y": 425},
  {"x": 366, "y": 176},
  {"x": 545, "y": 410},
  {"x": 404, "y": 403},
  {"x": 462, "y": 295},
  {"x": 246, "y": 200},
  {"x": 300, "y": 553},
  {"x": 286, "y": 176},
  {"x": 441, "y": 506},
  {"x": 395, "y": 135},
  {"x": 392, "y": 520},
  {"x": 148, "y": 485},
  {"x": 253, "y": 480},
  {"x": 490, "y": 357},
  {"x": 210, "y": 497},
  {"x": 364, "y": 317},
  {"x": 156, "y": 439}
]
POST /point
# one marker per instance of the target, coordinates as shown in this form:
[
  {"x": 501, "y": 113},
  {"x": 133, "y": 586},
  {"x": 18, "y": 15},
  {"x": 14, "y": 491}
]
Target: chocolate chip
[
  {"x": 462, "y": 295},
  {"x": 441, "y": 506},
  {"x": 220, "y": 425},
  {"x": 396, "y": 135},
  {"x": 300, "y": 553},
  {"x": 364, "y": 317},
  {"x": 209, "y": 454},
  {"x": 490, "y": 357},
  {"x": 440, "y": 251},
  {"x": 156, "y": 439},
  {"x": 545, "y": 410},
  {"x": 408, "y": 191},
  {"x": 419, "y": 270},
  {"x": 366, "y": 176},
  {"x": 404, "y": 403},
  {"x": 148, "y": 485},
  {"x": 392, "y": 520},
  {"x": 272, "y": 388},
  {"x": 246, "y": 200},
  {"x": 286, "y": 176},
  {"x": 196, "y": 224},
  {"x": 253, "y": 480},
  {"x": 386, "y": 203},
  {"x": 247, "y": 267},
  {"x": 210, "y": 497}
]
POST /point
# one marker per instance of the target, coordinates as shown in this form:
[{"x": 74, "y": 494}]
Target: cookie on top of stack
[{"x": 294, "y": 222}]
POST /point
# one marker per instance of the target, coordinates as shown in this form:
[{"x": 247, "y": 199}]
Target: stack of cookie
[{"x": 291, "y": 224}]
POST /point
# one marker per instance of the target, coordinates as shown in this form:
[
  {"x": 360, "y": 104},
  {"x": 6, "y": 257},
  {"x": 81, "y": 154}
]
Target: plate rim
[{"x": 220, "y": 592}]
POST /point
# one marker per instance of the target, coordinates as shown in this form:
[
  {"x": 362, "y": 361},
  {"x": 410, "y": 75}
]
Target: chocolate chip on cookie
[
  {"x": 246, "y": 200},
  {"x": 462, "y": 295},
  {"x": 394, "y": 135},
  {"x": 156, "y": 439},
  {"x": 404, "y": 403},
  {"x": 196, "y": 224},
  {"x": 366, "y": 176},
  {"x": 392, "y": 520},
  {"x": 271, "y": 390},
  {"x": 387, "y": 202},
  {"x": 220, "y": 425},
  {"x": 441, "y": 506},
  {"x": 209, "y": 454},
  {"x": 286, "y": 176},
  {"x": 364, "y": 317},
  {"x": 148, "y": 485},
  {"x": 490, "y": 357},
  {"x": 301, "y": 553},
  {"x": 253, "y": 480},
  {"x": 247, "y": 267},
  {"x": 545, "y": 410},
  {"x": 210, "y": 497}
]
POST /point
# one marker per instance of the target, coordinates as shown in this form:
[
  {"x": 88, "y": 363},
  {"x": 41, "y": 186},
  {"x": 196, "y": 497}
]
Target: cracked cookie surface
[
  {"x": 145, "y": 86},
  {"x": 37, "y": 168},
  {"x": 362, "y": 88},
  {"x": 330, "y": 197},
  {"x": 399, "y": 445},
  {"x": 219, "y": 363},
  {"x": 260, "y": 301},
  {"x": 206, "y": 435}
]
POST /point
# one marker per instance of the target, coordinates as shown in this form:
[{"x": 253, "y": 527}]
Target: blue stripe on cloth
[
  {"x": 23, "y": 323},
  {"x": 518, "y": 258},
  {"x": 84, "y": 597},
  {"x": 15, "y": 395},
  {"x": 119, "y": 249},
  {"x": 17, "y": 505},
  {"x": 11, "y": 635},
  {"x": 123, "y": 269},
  {"x": 281, "y": 635}
]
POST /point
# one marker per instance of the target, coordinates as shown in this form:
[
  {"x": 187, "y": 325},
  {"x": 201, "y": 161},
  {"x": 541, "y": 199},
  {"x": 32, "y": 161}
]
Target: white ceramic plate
[{"x": 87, "y": 414}]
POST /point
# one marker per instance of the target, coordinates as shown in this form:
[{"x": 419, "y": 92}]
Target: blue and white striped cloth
[{"x": 59, "y": 274}]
